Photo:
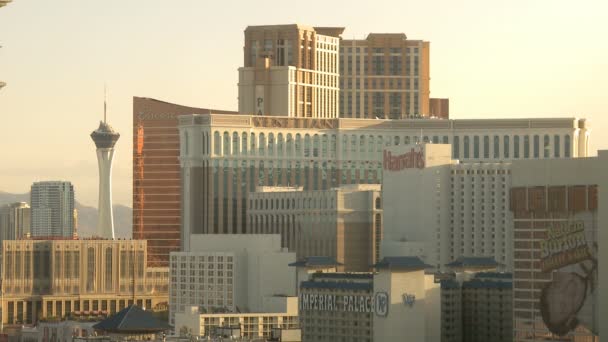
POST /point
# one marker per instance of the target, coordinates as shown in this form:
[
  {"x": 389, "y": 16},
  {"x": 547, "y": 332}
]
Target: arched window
[
  {"x": 476, "y": 147},
  {"x": 236, "y": 146},
  {"x": 91, "y": 269},
  {"x": 496, "y": 147},
  {"x": 536, "y": 146},
  {"x": 316, "y": 145},
  {"x": 298, "y": 146},
  {"x": 546, "y": 146},
  {"x": 353, "y": 144},
  {"x": 406, "y": 140},
  {"x": 226, "y": 144},
  {"x": 271, "y": 144},
  {"x": 526, "y": 146},
  {"x": 217, "y": 143},
  {"x": 289, "y": 145},
  {"x": 445, "y": 139},
  {"x": 506, "y": 146},
  {"x": 280, "y": 144},
  {"x": 362, "y": 144},
  {"x": 245, "y": 143},
  {"x": 307, "y": 145},
  {"x": 253, "y": 148},
  {"x": 466, "y": 147},
  {"x": 435, "y": 139},
  {"x": 556, "y": 146},
  {"x": 262, "y": 144},
  {"x": 456, "y": 148},
  {"x": 378, "y": 203},
  {"x": 370, "y": 145},
  {"x": 516, "y": 147},
  {"x": 567, "y": 146},
  {"x": 333, "y": 147},
  {"x": 397, "y": 140}
]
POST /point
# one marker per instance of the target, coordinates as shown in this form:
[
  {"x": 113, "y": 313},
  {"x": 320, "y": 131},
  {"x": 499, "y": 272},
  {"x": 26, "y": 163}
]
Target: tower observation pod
[{"x": 105, "y": 138}]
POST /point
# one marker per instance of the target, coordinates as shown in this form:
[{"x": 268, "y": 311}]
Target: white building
[
  {"x": 14, "y": 221},
  {"x": 230, "y": 274},
  {"x": 52, "y": 210},
  {"x": 442, "y": 210}
]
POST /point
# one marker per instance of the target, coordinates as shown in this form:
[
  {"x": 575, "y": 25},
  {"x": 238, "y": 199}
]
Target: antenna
[{"x": 105, "y": 97}]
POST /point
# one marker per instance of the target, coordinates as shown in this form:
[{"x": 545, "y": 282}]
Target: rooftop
[
  {"x": 132, "y": 319},
  {"x": 411, "y": 263},
  {"x": 474, "y": 262},
  {"x": 316, "y": 261}
]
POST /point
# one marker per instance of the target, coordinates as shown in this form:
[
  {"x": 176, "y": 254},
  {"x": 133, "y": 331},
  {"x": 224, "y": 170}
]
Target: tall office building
[
  {"x": 105, "y": 138},
  {"x": 224, "y": 157},
  {"x": 52, "y": 210},
  {"x": 290, "y": 70},
  {"x": 14, "y": 221},
  {"x": 156, "y": 175},
  {"x": 385, "y": 75}
]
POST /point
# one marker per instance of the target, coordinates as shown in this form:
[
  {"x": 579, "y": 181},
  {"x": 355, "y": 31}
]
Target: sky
[{"x": 493, "y": 59}]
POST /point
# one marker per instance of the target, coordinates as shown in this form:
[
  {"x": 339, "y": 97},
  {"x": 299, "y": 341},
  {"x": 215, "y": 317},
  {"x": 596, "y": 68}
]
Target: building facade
[
  {"x": 459, "y": 209},
  {"x": 230, "y": 274},
  {"x": 476, "y": 302},
  {"x": 52, "y": 209},
  {"x": 559, "y": 208},
  {"x": 15, "y": 221},
  {"x": 57, "y": 278},
  {"x": 290, "y": 70},
  {"x": 156, "y": 176},
  {"x": 397, "y": 300},
  {"x": 246, "y": 325},
  {"x": 384, "y": 76},
  {"x": 224, "y": 157},
  {"x": 343, "y": 223}
]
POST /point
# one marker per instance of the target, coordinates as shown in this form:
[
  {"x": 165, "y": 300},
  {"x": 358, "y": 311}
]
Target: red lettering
[{"x": 409, "y": 160}]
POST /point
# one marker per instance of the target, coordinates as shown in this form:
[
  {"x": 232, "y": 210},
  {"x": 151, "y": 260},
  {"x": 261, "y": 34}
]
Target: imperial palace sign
[{"x": 378, "y": 303}]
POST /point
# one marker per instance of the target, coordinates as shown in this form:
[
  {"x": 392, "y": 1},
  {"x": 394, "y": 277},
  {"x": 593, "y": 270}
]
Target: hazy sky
[{"x": 518, "y": 58}]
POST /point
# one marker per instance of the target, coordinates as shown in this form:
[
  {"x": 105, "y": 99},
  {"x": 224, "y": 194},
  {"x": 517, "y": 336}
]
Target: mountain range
[{"x": 87, "y": 216}]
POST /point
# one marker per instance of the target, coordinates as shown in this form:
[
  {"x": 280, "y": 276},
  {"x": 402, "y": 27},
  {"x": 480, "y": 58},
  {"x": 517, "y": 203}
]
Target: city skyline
[{"x": 55, "y": 99}]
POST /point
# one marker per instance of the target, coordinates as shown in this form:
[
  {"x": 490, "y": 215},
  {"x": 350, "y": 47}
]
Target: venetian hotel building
[{"x": 224, "y": 157}]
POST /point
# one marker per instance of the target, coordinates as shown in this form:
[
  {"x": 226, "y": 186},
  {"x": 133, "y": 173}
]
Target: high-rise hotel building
[
  {"x": 290, "y": 70},
  {"x": 52, "y": 209},
  {"x": 384, "y": 76},
  {"x": 156, "y": 175},
  {"x": 224, "y": 157}
]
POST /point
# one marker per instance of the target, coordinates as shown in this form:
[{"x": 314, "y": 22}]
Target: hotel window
[
  {"x": 476, "y": 147},
  {"x": 378, "y": 65},
  {"x": 378, "y": 108},
  {"x": 217, "y": 143},
  {"x": 445, "y": 139},
  {"x": 395, "y": 65},
  {"x": 109, "y": 270},
  {"x": 486, "y": 147},
  {"x": 536, "y": 146},
  {"x": 253, "y": 53},
  {"x": 556, "y": 146},
  {"x": 546, "y": 146},
  {"x": 567, "y": 146},
  {"x": 245, "y": 143},
  {"x": 466, "y": 147},
  {"x": 496, "y": 147},
  {"x": 526, "y": 146},
  {"x": 516, "y": 147},
  {"x": 456, "y": 147},
  {"x": 506, "y": 146}
]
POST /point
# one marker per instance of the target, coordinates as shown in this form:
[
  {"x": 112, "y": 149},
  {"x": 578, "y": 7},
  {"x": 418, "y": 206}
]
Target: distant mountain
[{"x": 87, "y": 216}]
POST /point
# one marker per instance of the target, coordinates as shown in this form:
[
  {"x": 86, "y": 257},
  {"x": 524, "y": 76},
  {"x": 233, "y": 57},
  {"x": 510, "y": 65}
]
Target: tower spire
[{"x": 105, "y": 106}]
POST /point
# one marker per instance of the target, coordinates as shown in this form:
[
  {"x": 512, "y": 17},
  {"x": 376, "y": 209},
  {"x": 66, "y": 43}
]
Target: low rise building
[
  {"x": 343, "y": 223},
  {"x": 476, "y": 302},
  {"x": 44, "y": 279},
  {"x": 242, "y": 325},
  {"x": 230, "y": 274}
]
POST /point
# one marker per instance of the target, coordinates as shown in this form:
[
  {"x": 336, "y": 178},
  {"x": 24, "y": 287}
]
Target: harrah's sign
[{"x": 410, "y": 160}]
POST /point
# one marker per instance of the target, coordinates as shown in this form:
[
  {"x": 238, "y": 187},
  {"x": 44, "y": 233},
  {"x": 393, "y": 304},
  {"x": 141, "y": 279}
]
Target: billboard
[{"x": 569, "y": 253}]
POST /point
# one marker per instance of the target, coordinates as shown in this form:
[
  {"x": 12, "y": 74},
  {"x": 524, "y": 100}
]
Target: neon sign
[{"x": 410, "y": 160}]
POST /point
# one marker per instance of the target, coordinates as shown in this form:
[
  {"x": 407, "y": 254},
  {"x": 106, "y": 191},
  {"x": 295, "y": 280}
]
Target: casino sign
[{"x": 378, "y": 303}]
